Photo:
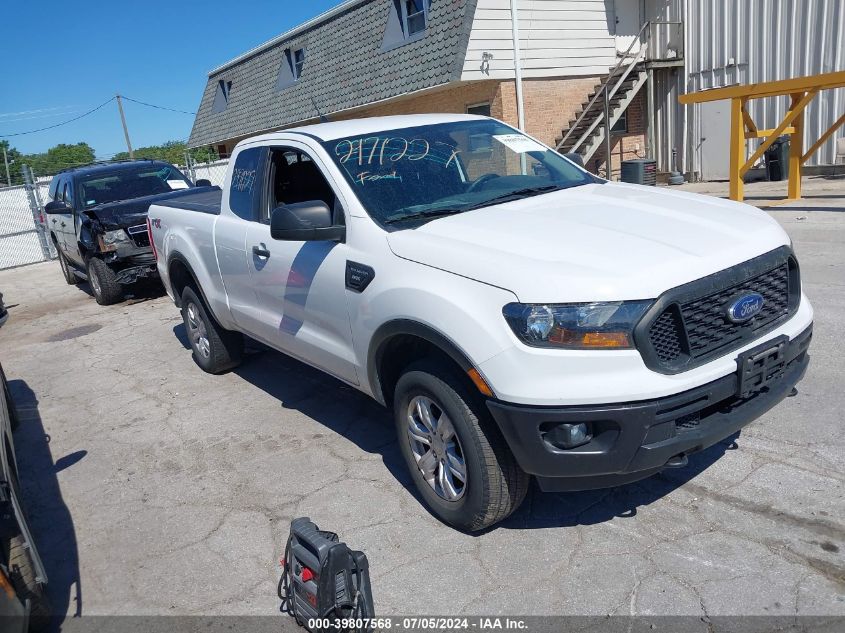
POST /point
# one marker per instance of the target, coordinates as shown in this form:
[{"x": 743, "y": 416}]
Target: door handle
[{"x": 260, "y": 251}]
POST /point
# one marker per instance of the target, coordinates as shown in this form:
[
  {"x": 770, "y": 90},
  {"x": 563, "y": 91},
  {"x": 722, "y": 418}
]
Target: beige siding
[{"x": 557, "y": 38}]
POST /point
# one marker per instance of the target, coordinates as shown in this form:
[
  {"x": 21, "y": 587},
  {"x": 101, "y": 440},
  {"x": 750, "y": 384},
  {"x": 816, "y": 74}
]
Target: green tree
[
  {"x": 59, "y": 157},
  {"x": 14, "y": 158},
  {"x": 172, "y": 152}
]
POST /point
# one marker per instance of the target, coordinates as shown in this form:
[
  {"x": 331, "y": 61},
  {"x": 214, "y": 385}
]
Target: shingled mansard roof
[{"x": 347, "y": 64}]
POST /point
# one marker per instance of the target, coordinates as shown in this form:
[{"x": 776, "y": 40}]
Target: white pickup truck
[{"x": 521, "y": 317}]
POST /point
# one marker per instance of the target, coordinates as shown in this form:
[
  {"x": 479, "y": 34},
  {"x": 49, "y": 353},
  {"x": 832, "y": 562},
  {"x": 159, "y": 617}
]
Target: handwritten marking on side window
[{"x": 243, "y": 179}]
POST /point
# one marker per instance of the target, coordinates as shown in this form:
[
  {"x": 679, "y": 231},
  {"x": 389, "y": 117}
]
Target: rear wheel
[
  {"x": 215, "y": 348},
  {"x": 67, "y": 271},
  {"x": 22, "y": 576},
  {"x": 460, "y": 463},
  {"x": 104, "y": 283}
]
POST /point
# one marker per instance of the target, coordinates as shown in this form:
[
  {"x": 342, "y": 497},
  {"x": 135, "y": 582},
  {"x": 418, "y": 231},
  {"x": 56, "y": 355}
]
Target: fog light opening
[{"x": 568, "y": 435}]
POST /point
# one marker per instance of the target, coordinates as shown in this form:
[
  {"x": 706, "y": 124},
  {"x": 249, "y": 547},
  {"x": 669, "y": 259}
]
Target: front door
[{"x": 301, "y": 286}]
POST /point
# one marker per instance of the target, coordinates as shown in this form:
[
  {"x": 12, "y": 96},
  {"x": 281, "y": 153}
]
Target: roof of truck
[
  {"x": 111, "y": 165},
  {"x": 369, "y": 125}
]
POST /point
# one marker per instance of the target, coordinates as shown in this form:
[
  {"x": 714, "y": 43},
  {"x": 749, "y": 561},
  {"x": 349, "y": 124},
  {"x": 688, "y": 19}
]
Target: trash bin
[{"x": 777, "y": 159}]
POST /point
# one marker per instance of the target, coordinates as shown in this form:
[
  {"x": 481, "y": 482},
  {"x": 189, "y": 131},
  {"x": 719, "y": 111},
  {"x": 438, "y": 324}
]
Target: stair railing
[{"x": 603, "y": 90}]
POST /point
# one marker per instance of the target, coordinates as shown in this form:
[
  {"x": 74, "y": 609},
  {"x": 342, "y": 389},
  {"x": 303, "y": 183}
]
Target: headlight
[
  {"x": 576, "y": 325},
  {"x": 110, "y": 239}
]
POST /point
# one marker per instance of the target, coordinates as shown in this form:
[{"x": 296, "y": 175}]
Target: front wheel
[
  {"x": 104, "y": 283},
  {"x": 460, "y": 463}
]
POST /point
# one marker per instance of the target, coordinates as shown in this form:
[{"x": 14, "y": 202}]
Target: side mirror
[
  {"x": 56, "y": 206},
  {"x": 304, "y": 222},
  {"x": 203, "y": 182}
]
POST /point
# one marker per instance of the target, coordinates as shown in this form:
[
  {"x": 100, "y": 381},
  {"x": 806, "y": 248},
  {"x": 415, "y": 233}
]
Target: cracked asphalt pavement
[{"x": 154, "y": 488}]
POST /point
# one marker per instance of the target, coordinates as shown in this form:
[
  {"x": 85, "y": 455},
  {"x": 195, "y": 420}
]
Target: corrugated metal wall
[{"x": 749, "y": 41}]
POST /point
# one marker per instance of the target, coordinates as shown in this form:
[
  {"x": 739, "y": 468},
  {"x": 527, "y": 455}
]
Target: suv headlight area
[
  {"x": 606, "y": 325},
  {"x": 110, "y": 240}
]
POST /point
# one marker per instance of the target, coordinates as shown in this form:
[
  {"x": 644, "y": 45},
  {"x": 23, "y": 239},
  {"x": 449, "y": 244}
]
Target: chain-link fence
[
  {"x": 23, "y": 235},
  {"x": 209, "y": 171}
]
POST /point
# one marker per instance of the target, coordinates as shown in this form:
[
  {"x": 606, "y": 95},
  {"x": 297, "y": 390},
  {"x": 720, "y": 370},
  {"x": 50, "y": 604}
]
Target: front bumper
[{"x": 634, "y": 440}]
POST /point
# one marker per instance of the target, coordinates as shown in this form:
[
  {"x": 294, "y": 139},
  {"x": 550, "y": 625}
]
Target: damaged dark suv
[{"x": 97, "y": 218}]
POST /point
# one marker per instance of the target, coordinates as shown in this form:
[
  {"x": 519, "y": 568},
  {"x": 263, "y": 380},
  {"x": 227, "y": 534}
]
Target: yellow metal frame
[{"x": 801, "y": 90}]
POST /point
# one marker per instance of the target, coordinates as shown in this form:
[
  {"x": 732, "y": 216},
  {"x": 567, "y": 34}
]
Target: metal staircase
[{"x": 609, "y": 100}]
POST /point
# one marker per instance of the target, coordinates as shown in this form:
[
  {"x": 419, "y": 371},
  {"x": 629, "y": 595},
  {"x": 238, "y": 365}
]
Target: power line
[
  {"x": 150, "y": 105},
  {"x": 50, "y": 127}
]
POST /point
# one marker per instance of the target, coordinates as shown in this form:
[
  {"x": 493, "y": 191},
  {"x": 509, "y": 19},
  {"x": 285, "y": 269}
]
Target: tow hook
[{"x": 678, "y": 461}]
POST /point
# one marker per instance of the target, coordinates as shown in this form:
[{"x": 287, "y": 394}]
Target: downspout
[{"x": 517, "y": 67}]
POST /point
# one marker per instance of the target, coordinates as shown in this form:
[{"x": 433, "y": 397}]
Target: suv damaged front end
[{"x": 122, "y": 242}]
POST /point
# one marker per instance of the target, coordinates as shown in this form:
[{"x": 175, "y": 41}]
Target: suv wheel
[
  {"x": 103, "y": 280},
  {"x": 22, "y": 576},
  {"x": 458, "y": 459},
  {"x": 67, "y": 272},
  {"x": 215, "y": 348}
]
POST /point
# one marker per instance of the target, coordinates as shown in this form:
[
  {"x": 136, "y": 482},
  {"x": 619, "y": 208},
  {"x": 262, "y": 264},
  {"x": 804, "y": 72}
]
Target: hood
[
  {"x": 598, "y": 242},
  {"x": 125, "y": 213}
]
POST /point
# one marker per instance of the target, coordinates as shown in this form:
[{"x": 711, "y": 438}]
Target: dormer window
[
  {"x": 298, "y": 62},
  {"x": 221, "y": 96},
  {"x": 406, "y": 22},
  {"x": 290, "y": 70},
  {"x": 414, "y": 14}
]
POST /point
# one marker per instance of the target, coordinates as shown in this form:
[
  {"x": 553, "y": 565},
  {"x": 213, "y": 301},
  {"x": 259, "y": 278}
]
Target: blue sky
[{"x": 64, "y": 58}]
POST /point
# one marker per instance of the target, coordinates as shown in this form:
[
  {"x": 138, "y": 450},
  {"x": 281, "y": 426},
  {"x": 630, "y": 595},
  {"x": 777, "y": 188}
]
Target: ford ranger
[
  {"x": 97, "y": 218},
  {"x": 519, "y": 316}
]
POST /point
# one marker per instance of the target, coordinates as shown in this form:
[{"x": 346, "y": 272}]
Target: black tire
[
  {"x": 495, "y": 484},
  {"x": 14, "y": 421},
  {"x": 67, "y": 271},
  {"x": 22, "y": 577},
  {"x": 222, "y": 349},
  {"x": 103, "y": 281}
]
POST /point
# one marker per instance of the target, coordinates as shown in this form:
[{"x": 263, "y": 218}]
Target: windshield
[
  {"x": 131, "y": 182},
  {"x": 421, "y": 173}
]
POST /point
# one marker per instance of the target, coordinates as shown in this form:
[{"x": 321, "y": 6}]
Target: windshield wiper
[
  {"x": 517, "y": 194},
  {"x": 419, "y": 215}
]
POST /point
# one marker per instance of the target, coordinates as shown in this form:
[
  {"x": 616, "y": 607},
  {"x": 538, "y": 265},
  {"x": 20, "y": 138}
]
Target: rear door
[
  {"x": 66, "y": 222},
  {"x": 301, "y": 286},
  {"x": 54, "y": 219}
]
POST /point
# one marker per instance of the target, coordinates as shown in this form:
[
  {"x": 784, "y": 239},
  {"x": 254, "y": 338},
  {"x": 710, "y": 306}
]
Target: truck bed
[{"x": 205, "y": 201}]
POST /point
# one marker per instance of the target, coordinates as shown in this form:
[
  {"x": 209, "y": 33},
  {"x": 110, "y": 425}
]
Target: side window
[
  {"x": 67, "y": 192},
  {"x": 294, "y": 177},
  {"x": 54, "y": 187},
  {"x": 244, "y": 190}
]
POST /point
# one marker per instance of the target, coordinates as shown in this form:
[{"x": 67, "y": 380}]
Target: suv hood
[
  {"x": 598, "y": 242},
  {"x": 126, "y": 213}
]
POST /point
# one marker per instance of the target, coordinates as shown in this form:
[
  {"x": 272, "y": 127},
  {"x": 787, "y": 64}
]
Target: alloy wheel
[
  {"x": 197, "y": 332},
  {"x": 436, "y": 448}
]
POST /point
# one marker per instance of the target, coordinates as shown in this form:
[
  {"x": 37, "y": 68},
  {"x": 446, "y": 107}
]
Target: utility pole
[
  {"x": 125, "y": 131},
  {"x": 6, "y": 160}
]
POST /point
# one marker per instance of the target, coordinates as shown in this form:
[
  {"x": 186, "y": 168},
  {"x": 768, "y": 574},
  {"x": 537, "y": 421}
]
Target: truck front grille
[
  {"x": 688, "y": 325},
  {"x": 139, "y": 234}
]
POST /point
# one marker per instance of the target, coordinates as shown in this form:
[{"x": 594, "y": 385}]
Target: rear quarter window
[{"x": 245, "y": 186}]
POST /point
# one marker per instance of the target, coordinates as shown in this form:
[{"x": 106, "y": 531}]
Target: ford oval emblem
[{"x": 745, "y": 307}]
